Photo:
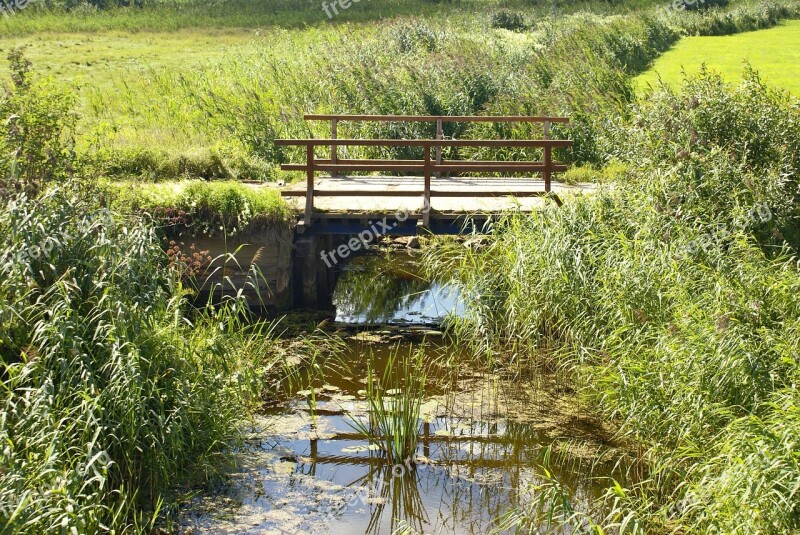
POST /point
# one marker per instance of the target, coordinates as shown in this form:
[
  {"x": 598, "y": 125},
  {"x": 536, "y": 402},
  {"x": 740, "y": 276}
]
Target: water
[
  {"x": 391, "y": 290},
  {"x": 480, "y": 449}
]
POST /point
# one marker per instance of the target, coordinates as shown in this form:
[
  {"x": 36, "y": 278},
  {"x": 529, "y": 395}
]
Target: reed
[
  {"x": 672, "y": 303},
  {"x": 113, "y": 393},
  {"x": 395, "y": 398}
]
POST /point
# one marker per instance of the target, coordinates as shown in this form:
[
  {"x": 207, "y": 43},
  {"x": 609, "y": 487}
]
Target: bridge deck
[{"x": 462, "y": 195}]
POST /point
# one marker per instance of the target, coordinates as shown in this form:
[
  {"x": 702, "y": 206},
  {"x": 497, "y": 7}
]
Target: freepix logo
[
  {"x": 12, "y": 7},
  {"x": 369, "y": 235},
  {"x": 332, "y": 9}
]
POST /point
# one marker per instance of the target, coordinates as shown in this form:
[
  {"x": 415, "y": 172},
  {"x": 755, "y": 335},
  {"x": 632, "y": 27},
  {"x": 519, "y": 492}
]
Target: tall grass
[
  {"x": 395, "y": 400},
  {"x": 113, "y": 395},
  {"x": 672, "y": 301}
]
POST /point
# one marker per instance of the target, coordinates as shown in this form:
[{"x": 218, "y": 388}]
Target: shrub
[
  {"x": 719, "y": 148},
  {"x": 412, "y": 37},
  {"x": 508, "y": 20},
  {"x": 36, "y": 129}
]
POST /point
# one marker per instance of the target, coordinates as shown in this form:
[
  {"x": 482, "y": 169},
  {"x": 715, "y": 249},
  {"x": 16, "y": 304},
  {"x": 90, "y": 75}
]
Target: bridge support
[{"x": 314, "y": 279}]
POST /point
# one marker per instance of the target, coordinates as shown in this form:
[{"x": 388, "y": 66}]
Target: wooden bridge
[{"x": 436, "y": 193}]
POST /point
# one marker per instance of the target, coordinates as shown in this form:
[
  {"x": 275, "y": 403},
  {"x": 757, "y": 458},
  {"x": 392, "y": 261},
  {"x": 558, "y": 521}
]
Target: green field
[
  {"x": 774, "y": 53},
  {"x": 188, "y": 89}
]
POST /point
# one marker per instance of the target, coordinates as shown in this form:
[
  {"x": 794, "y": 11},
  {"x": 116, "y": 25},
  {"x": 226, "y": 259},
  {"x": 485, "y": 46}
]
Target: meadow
[
  {"x": 774, "y": 53},
  {"x": 192, "y": 101},
  {"x": 668, "y": 299}
]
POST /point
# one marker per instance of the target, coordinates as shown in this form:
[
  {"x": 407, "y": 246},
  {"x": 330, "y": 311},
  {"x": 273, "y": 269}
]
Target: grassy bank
[
  {"x": 671, "y": 297},
  {"x": 200, "y": 208},
  {"x": 114, "y": 395}
]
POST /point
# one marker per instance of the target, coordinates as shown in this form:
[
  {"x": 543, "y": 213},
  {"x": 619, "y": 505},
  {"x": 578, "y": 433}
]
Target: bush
[
  {"x": 719, "y": 149},
  {"x": 705, "y": 4},
  {"x": 413, "y": 37},
  {"x": 508, "y": 20},
  {"x": 37, "y": 129}
]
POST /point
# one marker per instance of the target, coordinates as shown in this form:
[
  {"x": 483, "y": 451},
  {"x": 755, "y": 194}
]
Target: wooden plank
[
  {"x": 363, "y": 168},
  {"x": 434, "y": 118},
  {"x": 422, "y": 162},
  {"x": 415, "y": 193},
  {"x": 452, "y": 167},
  {"x": 378, "y": 216},
  {"x": 548, "y": 168},
  {"x": 497, "y": 168},
  {"x": 507, "y": 143}
]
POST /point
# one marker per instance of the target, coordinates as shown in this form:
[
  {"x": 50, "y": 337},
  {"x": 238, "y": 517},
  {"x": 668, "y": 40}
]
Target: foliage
[
  {"x": 112, "y": 395},
  {"x": 742, "y": 17},
  {"x": 672, "y": 297},
  {"x": 508, "y": 20},
  {"x": 720, "y": 150},
  {"x": 36, "y": 125}
]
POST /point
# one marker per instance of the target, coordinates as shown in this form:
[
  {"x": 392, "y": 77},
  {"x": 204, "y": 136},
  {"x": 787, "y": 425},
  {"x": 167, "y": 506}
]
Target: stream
[{"x": 305, "y": 469}]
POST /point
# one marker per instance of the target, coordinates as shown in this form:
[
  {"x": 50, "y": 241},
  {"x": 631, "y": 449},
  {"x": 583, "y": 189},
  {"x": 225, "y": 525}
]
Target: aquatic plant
[{"x": 395, "y": 398}]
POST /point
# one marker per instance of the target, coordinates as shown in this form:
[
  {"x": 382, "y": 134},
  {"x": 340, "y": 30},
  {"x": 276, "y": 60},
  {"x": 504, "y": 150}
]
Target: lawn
[{"x": 774, "y": 53}]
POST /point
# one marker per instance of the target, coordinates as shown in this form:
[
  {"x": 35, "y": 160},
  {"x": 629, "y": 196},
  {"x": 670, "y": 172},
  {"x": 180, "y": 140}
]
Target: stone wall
[{"x": 257, "y": 263}]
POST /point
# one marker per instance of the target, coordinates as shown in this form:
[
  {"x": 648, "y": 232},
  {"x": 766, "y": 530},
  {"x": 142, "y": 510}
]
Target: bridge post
[
  {"x": 439, "y": 136},
  {"x": 426, "y": 209},
  {"x": 315, "y": 277},
  {"x": 334, "y": 148},
  {"x": 309, "y": 184},
  {"x": 548, "y": 159}
]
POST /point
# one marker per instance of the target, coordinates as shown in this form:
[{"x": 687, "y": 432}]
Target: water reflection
[
  {"x": 389, "y": 289},
  {"x": 474, "y": 463},
  {"x": 478, "y": 455}
]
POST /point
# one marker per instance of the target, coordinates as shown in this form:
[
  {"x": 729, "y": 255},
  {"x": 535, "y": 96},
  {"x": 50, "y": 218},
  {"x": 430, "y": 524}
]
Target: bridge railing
[{"x": 432, "y": 163}]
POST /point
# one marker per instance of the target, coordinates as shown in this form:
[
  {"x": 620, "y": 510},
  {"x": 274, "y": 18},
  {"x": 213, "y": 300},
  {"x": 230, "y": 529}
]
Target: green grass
[
  {"x": 170, "y": 16},
  {"x": 191, "y": 89},
  {"x": 774, "y": 53},
  {"x": 207, "y": 207},
  {"x": 114, "y": 75}
]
